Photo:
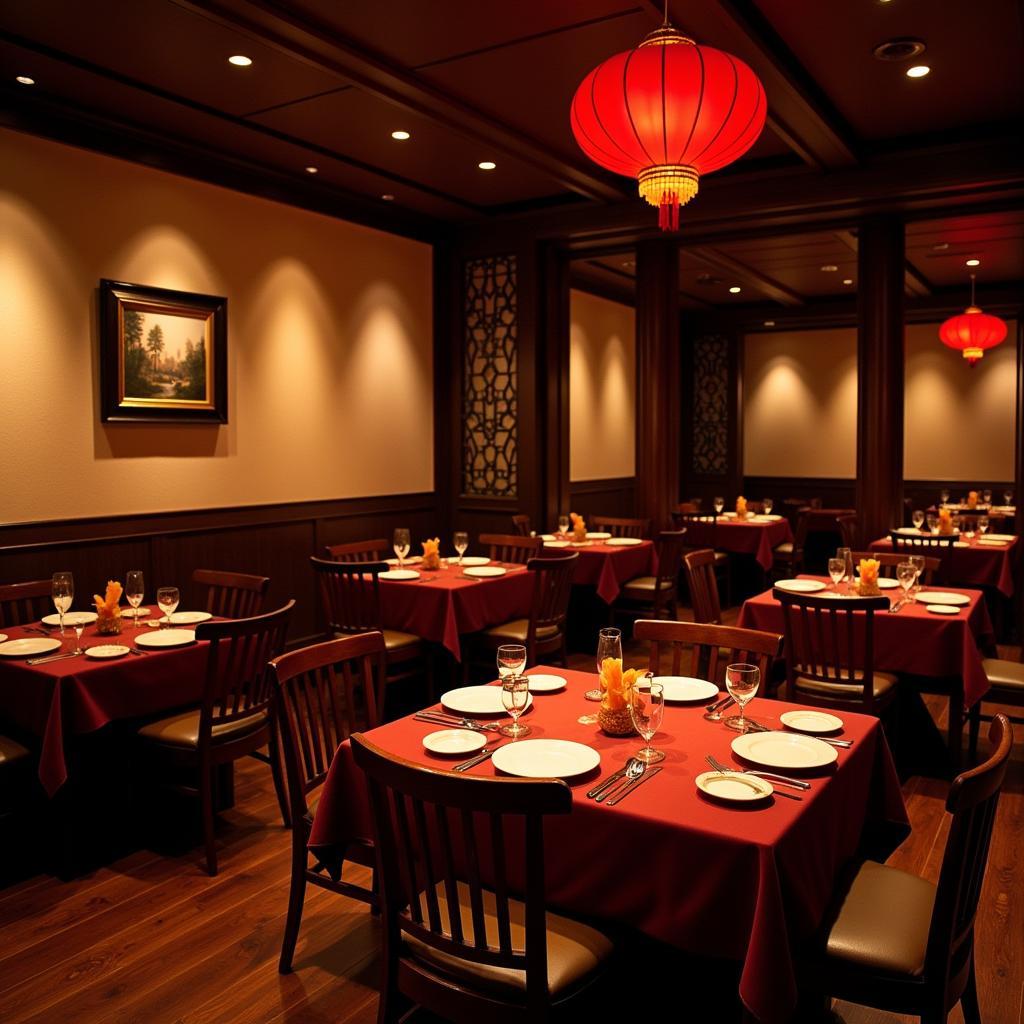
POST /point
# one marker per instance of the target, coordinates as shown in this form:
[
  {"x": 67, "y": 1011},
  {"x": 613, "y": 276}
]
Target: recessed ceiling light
[
  {"x": 387, "y": 197},
  {"x": 240, "y": 60},
  {"x": 918, "y": 71},
  {"x": 974, "y": 263},
  {"x": 735, "y": 289},
  {"x": 25, "y": 80},
  {"x": 769, "y": 323},
  {"x": 487, "y": 165},
  {"x": 847, "y": 280},
  {"x": 400, "y": 136},
  {"x": 312, "y": 170},
  {"x": 829, "y": 268},
  {"x": 904, "y": 48},
  {"x": 940, "y": 246}
]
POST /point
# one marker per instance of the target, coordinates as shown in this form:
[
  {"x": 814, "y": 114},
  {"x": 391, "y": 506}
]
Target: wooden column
[
  {"x": 658, "y": 379},
  {"x": 880, "y": 371}
]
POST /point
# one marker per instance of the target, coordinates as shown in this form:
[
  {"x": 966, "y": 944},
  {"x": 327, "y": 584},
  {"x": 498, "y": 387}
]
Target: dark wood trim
[
  {"x": 834, "y": 492},
  {"x": 736, "y": 270},
  {"x": 615, "y": 496},
  {"x": 553, "y": 381},
  {"x": 602, "y": 289}
]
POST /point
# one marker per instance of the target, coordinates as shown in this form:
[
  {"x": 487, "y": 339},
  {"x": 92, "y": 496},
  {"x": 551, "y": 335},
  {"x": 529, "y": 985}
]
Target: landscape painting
[{"x": 163, "y": 354}]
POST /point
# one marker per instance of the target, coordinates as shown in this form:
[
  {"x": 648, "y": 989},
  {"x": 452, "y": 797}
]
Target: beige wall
[
  {"x": 329, "y": 339},
  {"x": 602, "y": 388},
  {"x": 800, "y": 404},
  {"x": 960, "y": 423}
]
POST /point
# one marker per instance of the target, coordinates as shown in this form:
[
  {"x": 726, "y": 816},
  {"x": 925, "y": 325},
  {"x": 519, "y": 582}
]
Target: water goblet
[
  {"x": 1007, "y": 498},
  {"x": 719, "y": 504},
  {"x": 134, "y": 589},
  {"x": 400, "y": 542},
  {"x": 906, "y": 573},
  {"x": 918, "y": 518},
  {"x": 983, "y": 524},
  {"x": 515, "y": 692},
  {"x": 511, "y": 660},
  {"x": 986, "y": 496},
  {"x": 563, "y": 525},
  {"x": 62, "y": 590},
  {"x": 768, "y": 505},
  {"x": 944, "y": 496},
  {"x": 917, "y": 561},
  {"x": 167, "y": 598},
  {"x": 967, "y": 526},
  {"x": 78, "y": 627},
  {"x": 847, "y": 556},
  {"x": 609, "y": 647},
  {"x": 836, "y": 571},
  {"x": 646, "y": 709},
  {"x": 460, "y": 541},
  {"x": 933, "y": 523},
  {"x": 741, "y": 681}
]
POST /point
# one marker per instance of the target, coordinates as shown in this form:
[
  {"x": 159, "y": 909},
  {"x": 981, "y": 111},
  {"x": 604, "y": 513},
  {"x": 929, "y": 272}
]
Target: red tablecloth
[
  {"x": 981, "y": 565},
  {"x": 80, "y": 695},
  {"x": 741, "y": 884},
  {"x": 607, "y": 566},
  {"x": 913, "y": 640},
  {"x": 741, "y": 537}
]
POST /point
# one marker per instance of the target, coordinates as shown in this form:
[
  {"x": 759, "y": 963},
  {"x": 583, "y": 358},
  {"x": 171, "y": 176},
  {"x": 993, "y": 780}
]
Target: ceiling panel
[
  {"x": 795, "y": 262},
  {"x": 938, "y": 248}
]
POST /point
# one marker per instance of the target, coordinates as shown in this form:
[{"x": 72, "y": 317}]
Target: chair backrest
[
  {"x": 437, "y": 831},
  {"x": 621, "y": 527},
  {"x": 693, "y": 505},
  {"x": 358, "y": 551},
  {"x": 700, "y": 577},
  {"x": 930, "y": 545},
  {"x": 21, "y": 603},
  {"x": 889, "y": 560},
  {"x": 237, "y": 683},
  {"x": 521, "y": 524},
  {"x": 822, "y": 641},
  {"x": 509, "y": 547},
  {"x": 231, "y": 595},
  {"x": 324, "y": 693},
  {"x": 972, "y": 800},
  {"x": 552, "y": 585},
  {"x": 670, "y": 546},
  {"x": 848, "y": 530},
  {"x": 704, "y": 521},
  {"x": 349, "y": 594},
  {"x": 710, "y": 647}
]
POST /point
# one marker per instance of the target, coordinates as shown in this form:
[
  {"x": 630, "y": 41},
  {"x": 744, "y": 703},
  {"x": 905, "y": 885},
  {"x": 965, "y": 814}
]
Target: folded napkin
[
  {"x": 432, "y": 554},
  {"x": 107, "y": 606},
  {"x": 579, "y": 526}
]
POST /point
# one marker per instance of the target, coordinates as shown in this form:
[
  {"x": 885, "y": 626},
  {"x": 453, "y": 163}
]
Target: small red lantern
[
  {"x": 667, "y": 112},
  {"x": 972, "y": 331}
]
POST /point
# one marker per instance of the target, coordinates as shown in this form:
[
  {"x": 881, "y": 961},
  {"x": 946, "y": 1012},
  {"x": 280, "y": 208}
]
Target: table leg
[{"x": 955, "y": 729}]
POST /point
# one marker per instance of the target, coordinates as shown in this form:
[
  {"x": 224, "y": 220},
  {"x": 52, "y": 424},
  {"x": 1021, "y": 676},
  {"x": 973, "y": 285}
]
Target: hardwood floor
[{"x": 151, "y": 939}]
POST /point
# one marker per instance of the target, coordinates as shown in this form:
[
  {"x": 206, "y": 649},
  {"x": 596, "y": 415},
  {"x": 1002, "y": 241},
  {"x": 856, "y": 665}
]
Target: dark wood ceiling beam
[
  {"x": 915, "y": 283},
  {"x": 743, "y": 274},
  {"x": 315, "y": 45}
]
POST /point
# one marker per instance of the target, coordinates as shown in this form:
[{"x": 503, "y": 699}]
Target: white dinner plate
[
  {"x": 556, "y": 543},
  {"x": 546, "y": 684},
  {"x": 624, "y": 542},
  {"x": 486, "y": 571},
  {"x": 70, "y": 619},
  {"x": 810, "y": 721},
  {"x": 134, "y": 613},
  {"x": 686, "y": 688},
  {"x": 800, "y": 586},
  {"x": 770, "y": 517},
  {"x": 452, "y": 742},
  {"x": 728, "y": 515},
  {"x": 783, "y": 750},
  {"x": 909, "y": 531},
  {"x": 998, "y": 536},
  {"x": 189, "y": 618},
  {"x": 734, "y": 787},
  {"x": 411, "y": 560},
  {"x": 107, "y": 651},
  {"x": 477, "y": 700},
  {"x": 992, "y": 542},
  {"x": 961, "y": 544},
  {"x": 29, "y": 646},
  {"x": 166, "y": 638},
  {"x": 884, "y": 583},
  {"x": 546, "y": 759},
  {"x": 470, "y": 560},
  {"x": 942, "y": 609},
  {"x": 548, "y": 536},
  {"x": 942, "y": 597},
  {"x": 3, "y": 638},
  {"x": 400, "y": 574},
  {"x": 597, "y": 535}
]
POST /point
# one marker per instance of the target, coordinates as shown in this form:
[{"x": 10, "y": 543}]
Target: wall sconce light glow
[
  {"x": 388, "y": 197},
  {"x": 400, "y": 136},
  {"x": 25, "y": 80},
  {"x": 918, "y": 71},
  {"x": 240, "y": 60},
  {"x": 735, "y": 289},
  {"x": 973, "y": 263},
  {"x": 769, "y": 323},
  {"x": 487, "y": 165},
  {"x": 829, "y": 268},
  {"x": 847, "y": 280},
  {"x": 312, "y": 170}
]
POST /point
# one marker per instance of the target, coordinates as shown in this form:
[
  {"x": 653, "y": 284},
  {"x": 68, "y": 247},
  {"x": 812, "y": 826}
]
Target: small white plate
[
  {"x": 477, "y": 700},
  {"x": 683, "y": 689},
  {"x": 452, "y": 742},
  {"x": 107, "y": 651},
  {"x": 70, "y": 619},
  {"x": 942, "y": 597},
  {"x": 486, "y": 571},
  {"x": 28, "y": 647},
  {"x": 556, "y": 543},
  {"x": 411, "y": 560},
  {"x": 884, "y": 583},
  {"x": 999, "y": 536},
  {"x": 961, "y": 544},
  {"x": 942, "y": 609},
  {"x": 400, "y": 574},
  {"x": 783, "y": 750},
  {"x": 471, "y": 560},
  {"x": 134, "y": 613},
  {"x": 548, "y": 536},
  {"x": 166, "y": 638},
  {"x": 597, "y": 536},
  {"x": 800, "y": 586},
  {"x": 546, "y": 759},
  {"x": 734, "y": 787},
  {"x": 623, "y": 542},
  {"x": 811, "y": 721},
  {"x": 546, "y": 684},
  {"x": 993, "y": 542},
  {"x": 189, "y": 618},
  {"x": 909, "y": 531},
  {"x": 729, "y": 515}
]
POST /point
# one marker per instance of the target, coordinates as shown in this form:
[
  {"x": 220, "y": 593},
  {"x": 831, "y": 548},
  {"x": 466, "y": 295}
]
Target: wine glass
[
  {"x": 511, "y": 660},
  {"x": 78, "y": 626},
  {"x": 400, "y": 542},
  {"x": 983, "y": 524},
  {"x": 906, "y": 573},
  {"x": 836, "y": 570},
  {"x": 917, "y": 561},
  {"x": 967, "y": 525},
  {"x": 167, "y": 598},
  {"x": 944, "y": 495},
  {"x": 563, "y": 525},
  {"x": 742, "y": 682},
  {"x": 461, "y": 542},
  {"x": 986, "y": 496},
  {"x": 768, "y": 505},
  {"x": 515, "y": 692},
  {"x": 646, "y": 709},
  {"x": 609, "y": 645},
  {"x": 933, "y": 523},
  {"x": 847, "y": 556},
  {"x": 63, "y": 591},
  {"x": 918, "y": 518},
  {"x": 134, "y": 589},
  {"x": 719, "y": 504},
  {"x": 1007, "y": 498}
]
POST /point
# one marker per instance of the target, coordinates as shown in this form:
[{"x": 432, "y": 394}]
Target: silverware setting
[
  {"x": 455, "y": 723},
  {"x": 843, "y": 744},
  {"x": 621, "y": 794},
  {"x": 713, "y": 712},
  {"x": 633, "y": 771},
  {"x": 783, "y": 780},
  {"x": 53, "y": 657},
  {"x": 614, "y": 777},
  {"x": 37, "y": 629},
  {"x": 135, "y": 650},
  {"x": 897, "y": 606},
  {"x": 474, "y": 761}
]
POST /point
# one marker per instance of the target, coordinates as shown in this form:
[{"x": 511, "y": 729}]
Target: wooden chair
[
  {"x": 889, "y": 560},
  {"x": 788, "y": 557},
  {"x": 621, "y": 527},
  {"x": 22, "y": 603},
  {"x": 822, "y": 664},
  {"x": 323, "y": 694},
  {"x": 929, "y": 545},
  {"x": 231, "y": 595},
  {"x": 350, "y": 601},
  {"x": 703, "y": 584},
  {"x": 14, "y": 763},
  {"x": 658, "y": 595},
  {"x": 899, "y": 943},
  {"x": 707, "y": 525},
  {"x": 521, "y": 524},
  {"x": 359, "y": 551},
  {"x": 848, "y": 530},
  {"x": 1006, "y": 679},
  {"x": 235, "y": 716},
  {"x": 465, "y": 952},
  {"x": 511, "y": 548},
  {"x": 711, "y": 648}
]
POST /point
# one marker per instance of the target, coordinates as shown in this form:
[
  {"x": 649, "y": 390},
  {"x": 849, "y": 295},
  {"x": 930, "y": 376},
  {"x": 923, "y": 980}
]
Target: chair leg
[
  {"x": 277, "y": 773},
  {"x": 973, "y": 725},
  {"x": 969, "y": 999},
  {"x": 206, "y": 809},
  {"x": 296, "y": 898}
]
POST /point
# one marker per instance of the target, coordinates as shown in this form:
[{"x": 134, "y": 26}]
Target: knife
[
  {"x": 474, "y": 761},
  {"x": 605, "y": 783},
  {"x": 457, "y": 724},
  {"x": 897, "y": 606},
  {"x": 843, "y": 744},
  {"x": 622, "y": 794},
  {"x": 51, "y": 657}
]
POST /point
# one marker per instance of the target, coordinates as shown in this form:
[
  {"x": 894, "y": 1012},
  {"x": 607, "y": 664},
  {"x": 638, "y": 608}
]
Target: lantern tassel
[{"x": 668, "y": 211}]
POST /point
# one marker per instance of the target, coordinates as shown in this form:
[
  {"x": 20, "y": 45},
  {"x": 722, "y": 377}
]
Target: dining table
[
  {"x": 748, "y": 883},
  {"x": 606, "y": 564},
  {"x": 756, "y": 535}
]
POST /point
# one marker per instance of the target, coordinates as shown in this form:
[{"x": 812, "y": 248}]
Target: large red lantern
[
  {"x": 972, "y": 331},
  {"x": 666, "y": 113}
]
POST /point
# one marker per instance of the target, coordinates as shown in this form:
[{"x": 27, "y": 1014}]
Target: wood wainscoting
[
  {"x": 834, "y": 492},
  {"x": 271, "y": 540},
  {"x": 612, "y": 497}
]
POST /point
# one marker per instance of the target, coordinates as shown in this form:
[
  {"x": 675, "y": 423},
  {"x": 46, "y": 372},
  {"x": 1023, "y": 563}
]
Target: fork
[
  {"x": 633, "y": 771},
  {"x": 784, "y": 780},
  {"x": 457, "y": 723},
  {"x": 842, "y": 744},
  {"x": 613, "y": 778}
]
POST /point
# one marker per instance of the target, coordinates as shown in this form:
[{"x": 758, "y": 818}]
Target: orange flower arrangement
[
  {"x": 741, "y": 507},
  {"x": 972, "y": 499},
  {"x": 108, "y": 609},
  {"x": 431, "y": 554},
  {"x": 867, "y": 570},
  {"x": 579, "y": 528},
  {"x": 945, "y": 522},
  {"x": 617, "y": 693}
]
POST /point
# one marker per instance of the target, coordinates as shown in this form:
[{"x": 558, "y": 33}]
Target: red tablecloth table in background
[
  {"x": 608, "y": 566},
  {"x": 746, "y": 885},
  {"x": 741, "y": 537},
  {"x": 978, "y": 565},
  {"x": 80, "y": 695}
]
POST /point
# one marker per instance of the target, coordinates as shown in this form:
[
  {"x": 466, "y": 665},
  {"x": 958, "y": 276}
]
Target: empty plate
[
  {"x": 545, "y": 684},
  {"x": 800, "y": 586},
  {"x": 548, "y": 536},
  {"x": 400, "y": 574},
  {"x": 623, "y": 542},
  {"x": 70, "y": 619},
  {"x": 134, "y": 613},
  {"x": 189, "y": 618},
  {"x": 556, "y": 543},
  {"x": 545, "y": 759},
  {"x": 942, "y": 609},
  {"x": 810, "y": 721},
  {"x": 998, "y": 536},
  {"x": 485, "y": 571},
  {"x": 3, "y": 637},
  {"x": 943, "y": 597},
  {"x": 166, "y": 638},
  {"x": 992, "y": 542},
  {"x": 598, "y": 536},
  {"x": 734, "y": 787},
  {"x": 29, "y": 646},
  {"x": 686, "y": 688},
  {"x": 909, "y": 531},
  {"x": 107, "y": 651},
  {"x": 411, "y": 560},
  {"x": 783, "y": 750},
  {"x": 477, "y": 700},
  {"x": 453, "y": 742},
  {"x": 473, "y": 560}
]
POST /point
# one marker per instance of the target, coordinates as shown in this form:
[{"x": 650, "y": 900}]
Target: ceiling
[{"x": 476, "y": 80}]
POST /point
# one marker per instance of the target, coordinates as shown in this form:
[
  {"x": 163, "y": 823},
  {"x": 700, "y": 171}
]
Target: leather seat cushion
[
  {"x": 883, "y": 684},
  {"x": 721, "y": 557},
  {"x": 1008, "y": 674},
  {"x": 883, "y": 921},
  {"x": 516, "y": 629},
  {"x": 182, "y": 730},
  {"x": 395, "y": 640},
  {"x": 785, "y": 548},
  {"x": 647, "y": 583},
  {"x": 574, "y": 950},
  {"x": 11, "y": 751}
]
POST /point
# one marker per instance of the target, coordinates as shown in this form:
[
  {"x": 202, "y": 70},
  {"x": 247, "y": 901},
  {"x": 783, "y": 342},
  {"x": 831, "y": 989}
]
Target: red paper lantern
[
  {"x": 667, "y": 112},
  {"x": 972, "y": 331}
]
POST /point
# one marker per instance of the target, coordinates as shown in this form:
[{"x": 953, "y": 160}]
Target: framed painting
[{"x": 163, "y": 355}]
